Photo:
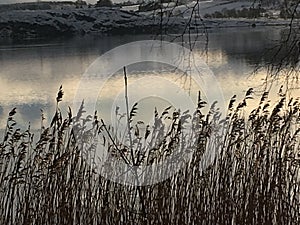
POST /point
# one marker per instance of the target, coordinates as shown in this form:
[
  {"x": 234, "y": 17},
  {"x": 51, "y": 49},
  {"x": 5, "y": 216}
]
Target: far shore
[{"x": 24, "y": 24}]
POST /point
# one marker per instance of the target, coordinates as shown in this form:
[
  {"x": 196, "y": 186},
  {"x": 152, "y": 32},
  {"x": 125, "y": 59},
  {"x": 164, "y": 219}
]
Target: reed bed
[{"x": 254, "y": 178}]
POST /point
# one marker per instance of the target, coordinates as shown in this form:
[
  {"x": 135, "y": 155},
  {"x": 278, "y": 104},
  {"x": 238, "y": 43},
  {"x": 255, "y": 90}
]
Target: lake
[{"x": 32, "y": 71}]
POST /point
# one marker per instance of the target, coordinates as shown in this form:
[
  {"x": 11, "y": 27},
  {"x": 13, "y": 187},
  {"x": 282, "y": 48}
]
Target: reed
[{"x": 254, "y": 178}]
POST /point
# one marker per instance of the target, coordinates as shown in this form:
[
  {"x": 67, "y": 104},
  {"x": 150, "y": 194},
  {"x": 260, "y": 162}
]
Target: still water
[{"x": 32, "y": 71}]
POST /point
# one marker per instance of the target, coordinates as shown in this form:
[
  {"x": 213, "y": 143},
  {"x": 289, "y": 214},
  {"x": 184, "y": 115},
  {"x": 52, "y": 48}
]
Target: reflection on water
[{"x": 31, "y": 73}]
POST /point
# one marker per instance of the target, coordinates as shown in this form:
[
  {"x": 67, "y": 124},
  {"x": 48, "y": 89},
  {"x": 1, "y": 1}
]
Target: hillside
[
  {"x": 40, "y": 23},
  {"x": 18, "y": 24}
]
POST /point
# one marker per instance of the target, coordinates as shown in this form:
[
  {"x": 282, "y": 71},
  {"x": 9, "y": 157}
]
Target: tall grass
[{"x": 254, "y": 178}]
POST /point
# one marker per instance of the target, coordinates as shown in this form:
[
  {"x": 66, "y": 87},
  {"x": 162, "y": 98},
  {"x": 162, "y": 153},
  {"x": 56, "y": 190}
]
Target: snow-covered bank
[
  {"x": 45, "y": 23},
  {"x": 71, "y": 22},
  {"x": 241, "y": 22}
]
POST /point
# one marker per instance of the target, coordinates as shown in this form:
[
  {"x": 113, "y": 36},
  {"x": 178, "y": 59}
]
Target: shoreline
[{"x": 24, "y": 24}]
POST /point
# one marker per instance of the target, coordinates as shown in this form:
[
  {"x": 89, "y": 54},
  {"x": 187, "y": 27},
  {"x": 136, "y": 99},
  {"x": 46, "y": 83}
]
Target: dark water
[{"x": 31, "y": 72}]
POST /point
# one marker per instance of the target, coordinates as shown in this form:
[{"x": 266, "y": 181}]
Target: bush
[
  {"x": 207, "y": 15},
  {"x": 233, "y": 13},
  {"x": 217, "y": 15},
  {"x": 286, "y": 14},
  {"x": 104, "y": 3}
]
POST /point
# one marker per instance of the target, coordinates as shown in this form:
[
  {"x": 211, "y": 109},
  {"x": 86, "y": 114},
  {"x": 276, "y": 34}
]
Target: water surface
[{"x": 31, "y": 72}]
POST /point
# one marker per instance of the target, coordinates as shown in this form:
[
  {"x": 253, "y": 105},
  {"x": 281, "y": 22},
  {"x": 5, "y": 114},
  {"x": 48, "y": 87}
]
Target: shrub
[{"x": 104, "y": 3}]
